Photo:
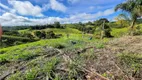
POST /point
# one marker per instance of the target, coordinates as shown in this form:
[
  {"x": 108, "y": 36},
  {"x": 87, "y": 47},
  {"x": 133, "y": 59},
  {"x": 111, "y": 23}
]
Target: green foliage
[
  {"x": 138, "y": 30},
  {"x": 75, "y": 69},
  {"x": 99, "y": 45},
  {"x": 107, "y": 31},
  {"x": 18, "y": 42},
  {"x": 131, "y": 63},
  {"x": 49, "y": 68},
  {"x": 134, "y": 8},
  {"x": 16, "y": 76},
  {"x": 31, "y": 74},
  {"x": 101, "y": 21},
  {"x": 45, "y": 35},
  {"x": 14, "y": 40},
  {"x": 119, "y": 32},
  {"x": 28, "y": 35},
  {"x": 50, "y": 34},
  {"x": 57, "y": 25},
  {"x": 40, "y": 34},
  {"x": 89, "y": 29},
  {"x": 12, "y": 33},
  {"x": 59, "y": 46}
]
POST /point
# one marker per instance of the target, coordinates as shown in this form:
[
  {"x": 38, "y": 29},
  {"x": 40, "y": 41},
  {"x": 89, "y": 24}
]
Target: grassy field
[{"x": 42, "y": 59}]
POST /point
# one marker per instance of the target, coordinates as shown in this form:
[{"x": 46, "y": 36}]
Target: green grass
[
  {"x": 64, "y": 31},
  {"x": 28, "y": 51},
  {"x": 118, "y": 32},
  {"x": 32, "y": 72},
  {"x": 131, "y": 61},
  {"x": 22, "y": 52}
]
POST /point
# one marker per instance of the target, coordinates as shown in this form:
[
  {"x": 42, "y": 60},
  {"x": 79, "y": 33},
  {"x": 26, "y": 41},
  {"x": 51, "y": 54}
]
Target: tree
[
  {"x": 133, "y": 7},
  {"x": 105, "y": 30},
  {"x": 123, "y": 20},
  {"x": 100, "y": 21},
  {"x": 57, "y": 24},
  {"x": 89, "y": 23}
]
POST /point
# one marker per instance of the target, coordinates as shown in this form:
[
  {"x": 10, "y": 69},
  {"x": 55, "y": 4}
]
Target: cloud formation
[
  {"x": 26, "y": 8},
  {"x": 73, "y": 1},
  {"x": 31, "y": 12},
  {"x": 55, "y": 5},
  {"x": 9, "y": 19}
]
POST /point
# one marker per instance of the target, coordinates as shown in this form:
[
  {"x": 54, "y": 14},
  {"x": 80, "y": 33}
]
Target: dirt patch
[{"x": 127, "y": 44}]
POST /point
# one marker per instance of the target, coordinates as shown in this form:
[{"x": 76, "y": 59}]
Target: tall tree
[
  {"x": 123, "y": 20},
  {"x": 57, "y": 24},
  {"x": 133, "y": 7},
  {"x": 100, "y": 21}
]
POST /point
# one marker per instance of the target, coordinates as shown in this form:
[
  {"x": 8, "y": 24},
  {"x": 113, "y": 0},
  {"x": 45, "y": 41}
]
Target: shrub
[
  {"x": 31, "y": 74},
  {"x": 99, "y": 45},
  {"x": 12, "y": 33},
  {"x": 12, "y": 40},
  {"x": 137, "y": 30},
  {"x": 40, "y": 34},
  {"x": 50, "y": 34},
  {"x": 17, "y": 42},
  {"x": 57, "y": 25},
  {"x": 59, "y": 46},
  {"x": 29, "y": 35},
  {"x": 58, "y": 35},
  {"x": 43, "y": 34},
  {"x": 131, "y": 64}
]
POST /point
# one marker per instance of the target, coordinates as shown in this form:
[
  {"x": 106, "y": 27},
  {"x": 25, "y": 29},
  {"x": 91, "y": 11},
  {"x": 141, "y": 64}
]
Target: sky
[{"x": 40, "y": 12}]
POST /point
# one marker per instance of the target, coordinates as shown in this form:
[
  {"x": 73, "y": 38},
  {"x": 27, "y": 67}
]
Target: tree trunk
[
  {"x": 102, "y": 32},
  {"x": 132, "y": 27}
]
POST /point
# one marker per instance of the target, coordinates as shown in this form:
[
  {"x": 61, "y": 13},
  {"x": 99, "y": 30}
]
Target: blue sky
[{"x": 33, "y": 12}]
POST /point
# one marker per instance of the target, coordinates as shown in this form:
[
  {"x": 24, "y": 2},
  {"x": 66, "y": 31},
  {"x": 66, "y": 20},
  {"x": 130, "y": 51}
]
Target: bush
[
  {"x": 57, "y": 25},
  {"x": 58, "y": 35},
  {"x": 59, "y": 46},
  {"x": 40, "y": 34},
  {"x": 106, "y": 31},
  {"x": 45, "y": 35},
  {"x": 28, "y": 35},
  {"x": 131, "y": 63},
  {"x": 14, "y": 40},
  {"x": 17, "y": 42},
  {"x": 50, "y": 34},
  {"x": 12, "y": 33},
  {"x": 137, "y": 30}
]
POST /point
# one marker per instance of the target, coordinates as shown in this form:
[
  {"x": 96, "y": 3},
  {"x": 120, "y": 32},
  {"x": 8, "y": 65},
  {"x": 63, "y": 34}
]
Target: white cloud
[
  {"x": 85, "y": 16},
  {"x": 7, "y": 8},
  {"x": 108, "y": 11},
  {"x": 2, "y": 11},
  {"x": 45, "y": 7},
  {"x": 91, "y": 7},
  {"x": 4, "y": 6},
  {"x": 26, "y": 8},
  {"x": 73, "y": 1},
  {"x": 55, "y": 5},
  {"x": 9, "y": 19}
]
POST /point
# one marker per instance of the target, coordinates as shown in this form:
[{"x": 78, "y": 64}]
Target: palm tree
[{"x": 133, "y": 7}]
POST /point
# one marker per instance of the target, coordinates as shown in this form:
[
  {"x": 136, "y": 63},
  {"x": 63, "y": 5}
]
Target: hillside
[
  {"x": 119, "y": 58},
  {"x": 70, "y": 40}
]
